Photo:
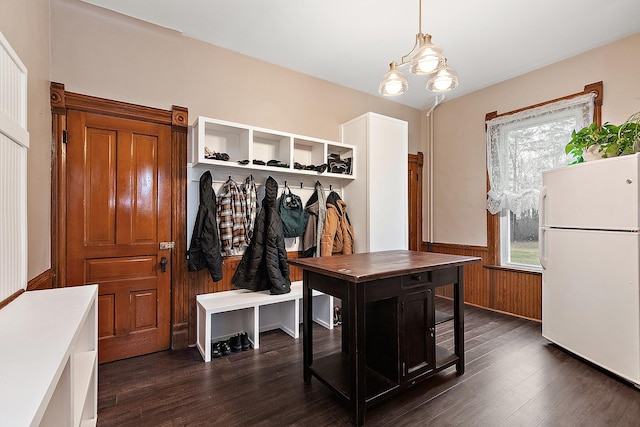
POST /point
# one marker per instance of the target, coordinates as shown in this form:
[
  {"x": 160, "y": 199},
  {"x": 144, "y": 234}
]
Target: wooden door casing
[
  {"x": 119, "y": 210},
  {"x": 414, "y": 172},
  {"x": 177, "y": 119}
]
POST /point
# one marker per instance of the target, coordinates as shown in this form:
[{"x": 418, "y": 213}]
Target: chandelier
[{"x": 426, "y": 58}]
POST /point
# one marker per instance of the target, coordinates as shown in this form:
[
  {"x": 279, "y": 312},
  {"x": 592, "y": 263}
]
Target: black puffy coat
[
  {"x": 204, "y": 251},
  {"x": 264, "y": 264}
]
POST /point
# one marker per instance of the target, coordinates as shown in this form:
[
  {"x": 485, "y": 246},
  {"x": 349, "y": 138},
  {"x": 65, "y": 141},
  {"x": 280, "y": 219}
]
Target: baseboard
[
  {"x": 10, "y": 298},
  {"x": 42, "y": 281}
]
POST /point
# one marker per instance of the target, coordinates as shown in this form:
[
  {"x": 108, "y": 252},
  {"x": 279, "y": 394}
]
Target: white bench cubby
[{"x": 221, "y": 315}]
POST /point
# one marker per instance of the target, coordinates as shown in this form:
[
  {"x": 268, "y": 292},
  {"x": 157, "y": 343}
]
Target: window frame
[{"x": 493, "y": 220}]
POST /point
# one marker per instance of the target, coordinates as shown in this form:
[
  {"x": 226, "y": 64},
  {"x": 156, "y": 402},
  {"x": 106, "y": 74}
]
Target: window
[{"x": 520, "y": 146}]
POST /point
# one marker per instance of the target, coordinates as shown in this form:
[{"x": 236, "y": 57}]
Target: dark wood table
[{"x": 389, "y": 321}]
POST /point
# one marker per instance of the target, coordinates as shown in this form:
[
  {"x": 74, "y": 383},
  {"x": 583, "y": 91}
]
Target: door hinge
[
  {"x": 65, "y": 136},
  {"x": 417, "y": 177}
]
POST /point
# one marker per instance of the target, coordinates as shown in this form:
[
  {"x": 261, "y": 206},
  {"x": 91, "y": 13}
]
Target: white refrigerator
[{"x": 589, "y": 251}]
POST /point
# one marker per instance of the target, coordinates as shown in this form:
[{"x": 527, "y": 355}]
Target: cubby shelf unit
[
  {"x": 49, "y": 361},
  {"x": 245, "y": 142}
]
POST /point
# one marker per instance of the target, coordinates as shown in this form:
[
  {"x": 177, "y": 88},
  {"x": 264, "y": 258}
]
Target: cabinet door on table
[{"x": 417, "y": 349}]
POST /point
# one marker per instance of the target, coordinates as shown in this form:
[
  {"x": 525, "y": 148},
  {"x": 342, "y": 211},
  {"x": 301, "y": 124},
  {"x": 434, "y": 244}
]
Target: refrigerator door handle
[
  {"x": 542, "y": 253},
  {"x": 542, "y": 220},
  {"x": 542, "y": 207}
]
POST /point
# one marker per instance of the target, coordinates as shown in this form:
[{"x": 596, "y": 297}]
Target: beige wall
[
  {"x": 25, "y": 25},
  {"x": 459, "y": 135},
  {"x": 102, "y": 53}
]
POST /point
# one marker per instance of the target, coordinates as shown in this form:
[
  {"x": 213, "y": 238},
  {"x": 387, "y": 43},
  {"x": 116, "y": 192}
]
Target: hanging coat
[
  {"x": 232, "y": 218},
  {"x": 249, "y": 191},
  {"x": 316, "y": 209},
  {"x": 264, "y": 264},
  {"x": 337, "y": 235},
  {"x": 204, "y": 250}
]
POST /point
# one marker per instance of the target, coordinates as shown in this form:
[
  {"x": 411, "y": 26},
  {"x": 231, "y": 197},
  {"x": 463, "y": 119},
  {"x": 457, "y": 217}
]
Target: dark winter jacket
[
  {"x": 264, "y": 264},
  {"x": 204, "y": 251}
]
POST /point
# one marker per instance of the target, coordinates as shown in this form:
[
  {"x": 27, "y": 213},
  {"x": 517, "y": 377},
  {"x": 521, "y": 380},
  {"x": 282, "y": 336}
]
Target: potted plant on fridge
[{"x": 593, "y": 142}]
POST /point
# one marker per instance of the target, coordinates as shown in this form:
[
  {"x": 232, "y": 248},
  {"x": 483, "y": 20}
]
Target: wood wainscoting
[
  {"x": 200, "y": 283},
  {"x": 510, "y": 291}
]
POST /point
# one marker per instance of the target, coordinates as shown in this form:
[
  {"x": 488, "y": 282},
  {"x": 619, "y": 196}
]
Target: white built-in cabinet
[
  {"x": 246, "y": 142},
  {"x": 49, "y": 358},
  {"x": 378, "y": 199}
]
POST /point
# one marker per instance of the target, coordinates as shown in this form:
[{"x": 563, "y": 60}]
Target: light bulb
[
  {"x": 393, "y": 87},
  {"x": 428, "y": 64},
  {"x": 428, "y": 59},
  {"x": 443, "y": 81},
  {"x": 393, "y": 83}
]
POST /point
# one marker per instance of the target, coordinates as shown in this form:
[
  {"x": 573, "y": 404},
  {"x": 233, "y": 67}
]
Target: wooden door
[
  {"x": 414, "y": 175},
  {"x": 118, "y": 212}
]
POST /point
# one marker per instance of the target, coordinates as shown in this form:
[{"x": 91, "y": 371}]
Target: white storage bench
[{"x": 224, "y": 314}]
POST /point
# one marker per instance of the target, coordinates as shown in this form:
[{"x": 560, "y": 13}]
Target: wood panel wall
[{"x": 510, "y": 291}]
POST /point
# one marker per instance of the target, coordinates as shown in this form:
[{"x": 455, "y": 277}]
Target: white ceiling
[{"x": 352, "y": 42}]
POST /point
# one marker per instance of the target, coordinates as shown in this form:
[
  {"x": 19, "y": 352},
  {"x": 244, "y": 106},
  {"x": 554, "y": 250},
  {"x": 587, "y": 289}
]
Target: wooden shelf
[
  {"x": 444, "y": 357},
  {"x": 442, "y": 317},
  {"x": 333, "y": 370}
]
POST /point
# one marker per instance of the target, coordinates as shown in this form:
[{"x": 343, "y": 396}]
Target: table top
[{"x": 370, "y": 266}]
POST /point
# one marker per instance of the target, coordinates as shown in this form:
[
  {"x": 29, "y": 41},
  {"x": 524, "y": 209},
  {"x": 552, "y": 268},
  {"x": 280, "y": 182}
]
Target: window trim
[{"x": 493, "y": 220}]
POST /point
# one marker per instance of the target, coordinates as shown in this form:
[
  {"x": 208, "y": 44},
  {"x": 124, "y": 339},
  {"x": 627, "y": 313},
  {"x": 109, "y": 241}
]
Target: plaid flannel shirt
[
  {"x": 232, "y": 218},
  {"x": 250, "y": 196}
]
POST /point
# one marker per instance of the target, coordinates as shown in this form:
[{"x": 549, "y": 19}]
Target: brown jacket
[{"x": 337, "y": 233}]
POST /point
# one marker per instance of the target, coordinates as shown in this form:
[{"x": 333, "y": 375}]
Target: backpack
[{"x": 292, "y": 214}]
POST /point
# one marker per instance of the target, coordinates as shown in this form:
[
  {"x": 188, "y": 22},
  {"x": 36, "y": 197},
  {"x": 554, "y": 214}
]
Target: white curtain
[{"x": 504, "y": 195}]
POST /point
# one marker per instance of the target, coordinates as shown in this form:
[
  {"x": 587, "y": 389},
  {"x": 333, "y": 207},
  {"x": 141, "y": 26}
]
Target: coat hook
[
  {"x": 285, "y": 183},
  {"x": 229, "y": 177},
  {"x": 301, "y": 185},
  {"x": 330, "y": 187}
]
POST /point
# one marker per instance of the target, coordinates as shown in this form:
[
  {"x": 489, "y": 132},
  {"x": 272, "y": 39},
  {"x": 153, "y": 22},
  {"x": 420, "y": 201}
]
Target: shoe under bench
[{"x": 221, "y": 315}]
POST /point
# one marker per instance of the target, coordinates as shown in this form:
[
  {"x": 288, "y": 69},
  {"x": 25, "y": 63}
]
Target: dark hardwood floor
[{"x": 514, "y": 377}]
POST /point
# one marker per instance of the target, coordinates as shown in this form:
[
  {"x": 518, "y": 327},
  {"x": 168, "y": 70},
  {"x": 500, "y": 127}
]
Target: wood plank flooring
[{"x": 514, "y": 377}]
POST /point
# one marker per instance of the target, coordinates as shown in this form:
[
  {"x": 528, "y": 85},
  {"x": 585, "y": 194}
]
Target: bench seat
[{"x": 221, "y": 315}]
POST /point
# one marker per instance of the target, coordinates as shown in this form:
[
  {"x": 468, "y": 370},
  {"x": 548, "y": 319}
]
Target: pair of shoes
[
  {"x": 277, "y": 163},
  {"x": 337, "y": 315},
  {"x": 320, "y": 168},
  {"x": 239, "y": 342},
  {"x": 208, "y": 154},
  {"x": 235, "y": 344},
  {"x": 220, "y": 348},
  {"x": 244, "y": 341}
]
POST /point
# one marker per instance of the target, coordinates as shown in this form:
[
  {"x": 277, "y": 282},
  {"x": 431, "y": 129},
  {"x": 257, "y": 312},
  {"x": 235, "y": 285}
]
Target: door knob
[{"x": 163, "y": 264}]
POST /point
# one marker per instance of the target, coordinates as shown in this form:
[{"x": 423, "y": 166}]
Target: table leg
[
  {"x": 307, "y": 338},
  {"x": 357, "y": 353},
  {"x": 458, "y": 298}
]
